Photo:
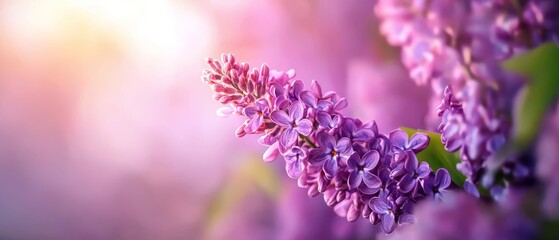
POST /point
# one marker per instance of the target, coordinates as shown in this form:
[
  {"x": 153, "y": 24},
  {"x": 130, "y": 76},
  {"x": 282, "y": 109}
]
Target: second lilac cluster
[
  {"x": 457, "y": 47},
  {"x": 359, "y": 171}
]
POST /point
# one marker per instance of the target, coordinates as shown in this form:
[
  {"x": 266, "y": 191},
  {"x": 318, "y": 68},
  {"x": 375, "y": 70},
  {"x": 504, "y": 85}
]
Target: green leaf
[
  {"x": 541, "y": 69},
  {"x": 438, "y": 157}
]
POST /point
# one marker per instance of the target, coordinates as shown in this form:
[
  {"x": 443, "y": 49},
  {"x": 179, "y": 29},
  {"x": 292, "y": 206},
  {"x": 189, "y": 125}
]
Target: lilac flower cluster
[
  {"x": 457, "y": 47},
  {"x": 359, "y": 171}
]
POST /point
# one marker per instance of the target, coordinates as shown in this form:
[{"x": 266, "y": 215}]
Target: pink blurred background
[{"x": 107, "y": 131}]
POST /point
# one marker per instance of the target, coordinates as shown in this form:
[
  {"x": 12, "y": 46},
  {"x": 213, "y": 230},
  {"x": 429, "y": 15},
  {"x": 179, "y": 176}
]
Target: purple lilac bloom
[
  {"x": 348, "y": 161},
  {"x": 457, "y": 48},
  {"x": 437, "y": 187}
]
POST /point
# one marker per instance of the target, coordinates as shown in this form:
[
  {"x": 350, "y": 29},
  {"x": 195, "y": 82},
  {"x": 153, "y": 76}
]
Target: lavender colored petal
[
  {"x": 308, "y": 98},
  {"x": 288, "y": 137},
  {"x": 371, "y": 159},
  {"x": 294, "y": 169},
  {"x": 471, "y": 188},
  {"x": 343, "y": 146},
  {"x": 418, "y": 142},
  {"x": 423, "y": 170},
  {"x": 379, "y": 206},
  {"x": 330, "y": 167},
  {"x": 341, "y": 104},
  {"x": 304, "y": 127},
  {"x": 364, "y": 135},
  {"x": 371, "y": 180},
  {"x": 317, "y": 156},
  {"x": 324, "y": 119},
  {"x": 322, "y": 104},
  {"x": 407, "y": 183},
  {"x": 442, "y": 178},
  {"x": 296, "y": 111},
  {"x": 411, "y": 162},
  {"x": 355, "y": 178},
  {"x": 316, "y": 89},
  {"x": 250, "y": 111},
  {"x": 281, "y": 118},
  {"x": 388, "y": 223},
  {"x": 354, "y": 161},
  {"x": 326, "y": 141},
  {"x": 399, "y": 138},
  {"x": 254, "y": 124}
]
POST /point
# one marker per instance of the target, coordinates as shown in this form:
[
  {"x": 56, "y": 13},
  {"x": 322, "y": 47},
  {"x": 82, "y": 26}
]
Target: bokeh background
[{"x": 107, "y": 131}]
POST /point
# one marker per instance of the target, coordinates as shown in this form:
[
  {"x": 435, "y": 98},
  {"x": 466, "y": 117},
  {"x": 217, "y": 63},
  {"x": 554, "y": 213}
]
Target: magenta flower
[
  {"x": 294, "y": 162},
  {"x": 330, "y": 152},
  {"x": 360, "y": 170},
  {"x": 256, "y": 114},
  {"x": 386, "y": 211},
  {"x": 293, "y": 122},
  {"x": 415, "y": 173},
  {"x": 437, "y": 187},
  {"x": 416, "y": 143}
]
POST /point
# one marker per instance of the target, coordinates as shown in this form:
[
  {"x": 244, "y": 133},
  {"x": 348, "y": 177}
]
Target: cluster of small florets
[
  {"x": 457, "y": 47},
  {"x": 359, "y": 171}
]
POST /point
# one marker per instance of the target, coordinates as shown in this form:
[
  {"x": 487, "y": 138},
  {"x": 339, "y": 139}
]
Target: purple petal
[
  {"x": 364, "y": 135},
  {"x": 308, "y": 98},
  {"x": 296, "y": 111},
  {"x": 442, "y": 178},
  {"x": 304, "y": 127},
  {"x": 407, "y": 183},
  {"x": 324, "y": 119},
  {"x": 406, "y": 218},
  {"x": 341, "y": 104},
  {"x": 271, "y": 153},
  {"x": 379, "y": 206},
  {"x": 343, "y": 146},
  {"x": 254, "y": 124},
  {"x": 326, "y": 141},
  {"x": 354, "y": 161},
  {"x": 423, "y": 170},
  {"x": 297, "y": 87},
  {"x": 288, "y": 138},
  {"x": 281, "y": 118},
  {"x": 348, "y": 126},
  {"x": 399, "y": 139},
  {"x": 318, "y": 156},
  {"x": 370, "y": 159},
  {"x": 322, "y": 104},
  {"x": 250, "y": 111},
  {"x": 355, "y": 178},
  {"x": 371, "y": 180},
  {"x": 388, "y": 223},
  {"x": 330, "y": 167},
  {"x": 294, "y": 169},
  {"x": 411, "y": 162},
  {"x": 316, "y": 89},
  {"x": 418, "y": 142},
  {"x": 471, "y": 188}
]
